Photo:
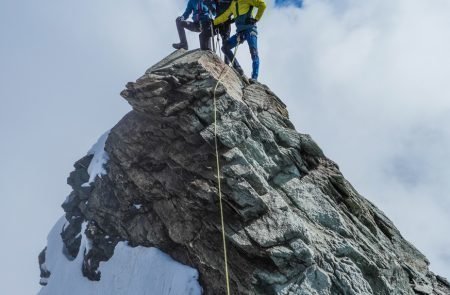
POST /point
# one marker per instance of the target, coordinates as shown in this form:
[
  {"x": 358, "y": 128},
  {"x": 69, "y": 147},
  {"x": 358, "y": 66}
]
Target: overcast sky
[{"x": 369, "y": 80}]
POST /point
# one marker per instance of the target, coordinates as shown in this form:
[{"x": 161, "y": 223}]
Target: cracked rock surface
[{"x": 294, "y": 224}]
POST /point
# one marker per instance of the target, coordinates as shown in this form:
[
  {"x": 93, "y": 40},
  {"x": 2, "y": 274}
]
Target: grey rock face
[{"x": 294, "y": 224}]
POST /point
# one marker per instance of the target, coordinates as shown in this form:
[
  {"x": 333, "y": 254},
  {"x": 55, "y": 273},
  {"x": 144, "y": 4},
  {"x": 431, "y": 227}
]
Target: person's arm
[
  {"x": 188, "y": 10},
  {"x": 225, "y": 15},
  {"x": 261, "y": 5}
]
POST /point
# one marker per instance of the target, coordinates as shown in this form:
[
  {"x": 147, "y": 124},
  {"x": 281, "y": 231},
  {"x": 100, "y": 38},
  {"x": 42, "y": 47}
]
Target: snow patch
[
  {"x": 85, "y": 240},
  {"x": 140, "y": 270},
  {"x": 137, "y": 206},
  {"x": 99, "y": 160}
]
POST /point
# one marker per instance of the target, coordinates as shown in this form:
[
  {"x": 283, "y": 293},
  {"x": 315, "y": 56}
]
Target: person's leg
[
  {"x": 205, "y": 36},
  {"x": 252, "y": 40},
  {"x": 192, "y": 26},
  {"x": 225, "y": 31},
  {"x": 181, "y": 25},
  {"x": 227, "y": 50}
]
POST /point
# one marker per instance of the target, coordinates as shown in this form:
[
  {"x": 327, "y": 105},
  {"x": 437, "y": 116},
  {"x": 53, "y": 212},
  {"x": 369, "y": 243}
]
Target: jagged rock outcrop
[{"x": 294, "y": 224}]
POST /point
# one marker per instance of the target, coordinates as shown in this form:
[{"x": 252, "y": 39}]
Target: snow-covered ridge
[{"x": 140, "y": 271}]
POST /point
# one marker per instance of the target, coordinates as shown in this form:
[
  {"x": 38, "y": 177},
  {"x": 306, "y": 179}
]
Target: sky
[{"x": 369, "y": 80}]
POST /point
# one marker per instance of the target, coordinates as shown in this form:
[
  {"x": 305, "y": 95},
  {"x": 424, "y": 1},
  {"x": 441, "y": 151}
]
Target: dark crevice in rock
[
  {"x": 443, "y": 281},
  {"x": 383, "y": 226}
]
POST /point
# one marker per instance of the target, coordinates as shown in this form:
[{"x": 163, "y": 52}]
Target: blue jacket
[{"x": 201, "y": 10}]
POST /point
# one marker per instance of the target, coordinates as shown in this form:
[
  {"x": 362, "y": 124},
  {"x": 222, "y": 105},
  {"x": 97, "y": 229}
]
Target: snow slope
[
  {"x": 99, "y": 160},
  {"x": 140, "y": 271}
]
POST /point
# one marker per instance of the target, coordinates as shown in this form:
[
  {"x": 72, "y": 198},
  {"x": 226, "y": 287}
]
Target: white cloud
[{"x": 370, "y": 81}]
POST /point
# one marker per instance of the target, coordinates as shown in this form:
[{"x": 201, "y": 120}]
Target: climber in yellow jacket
[{"x": 242, "y": 12}]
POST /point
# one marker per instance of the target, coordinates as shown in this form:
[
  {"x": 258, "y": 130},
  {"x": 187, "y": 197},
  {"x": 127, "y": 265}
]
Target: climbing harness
[{"x": 223, "y": 73}]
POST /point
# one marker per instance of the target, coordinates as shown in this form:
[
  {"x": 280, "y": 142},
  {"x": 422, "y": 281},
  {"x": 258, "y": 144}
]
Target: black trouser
[
  {"x": 224, "y": 31},
  {"x": 204, "y": 28}
]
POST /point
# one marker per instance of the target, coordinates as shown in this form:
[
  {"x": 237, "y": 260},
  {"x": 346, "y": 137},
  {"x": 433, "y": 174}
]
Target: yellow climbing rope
[{"x": 223, "y": 73}]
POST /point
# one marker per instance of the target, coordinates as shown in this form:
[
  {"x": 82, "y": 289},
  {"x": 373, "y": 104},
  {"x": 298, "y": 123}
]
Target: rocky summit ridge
[{"x": 294, "y": 224}]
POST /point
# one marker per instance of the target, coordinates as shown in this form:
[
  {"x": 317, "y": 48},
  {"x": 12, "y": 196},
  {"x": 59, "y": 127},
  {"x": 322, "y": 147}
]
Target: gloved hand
[
  {"x": 180, "y": 18},
  {"x": 252, "y": 21}
]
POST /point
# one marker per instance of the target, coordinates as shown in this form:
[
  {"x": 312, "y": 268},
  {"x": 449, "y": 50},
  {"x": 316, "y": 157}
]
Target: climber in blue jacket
[{"x": 203, "y": 11}]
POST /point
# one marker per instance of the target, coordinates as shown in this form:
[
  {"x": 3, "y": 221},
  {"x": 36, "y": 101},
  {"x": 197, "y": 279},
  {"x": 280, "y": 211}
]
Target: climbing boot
[{"x": 180, "y": 46}]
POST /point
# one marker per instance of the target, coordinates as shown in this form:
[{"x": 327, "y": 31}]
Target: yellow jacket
[{"x": 243, "y": 6}]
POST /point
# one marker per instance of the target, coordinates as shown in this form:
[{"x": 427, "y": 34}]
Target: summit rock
[{"x": 293, "y": 223}]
